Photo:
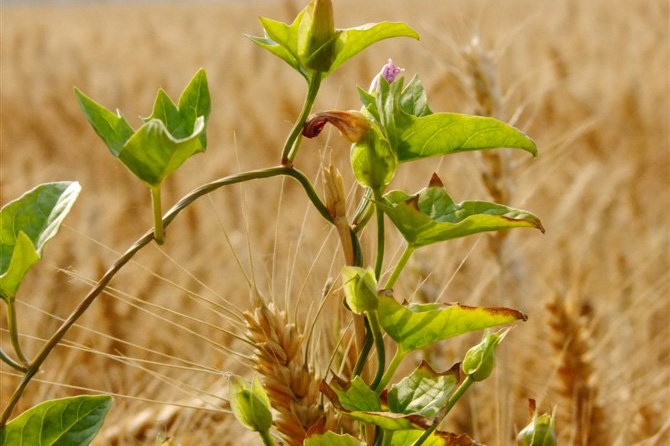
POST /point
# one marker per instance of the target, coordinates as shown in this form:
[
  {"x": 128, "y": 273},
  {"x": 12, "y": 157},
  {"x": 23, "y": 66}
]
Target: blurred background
[{"x": 587, "y": 80}]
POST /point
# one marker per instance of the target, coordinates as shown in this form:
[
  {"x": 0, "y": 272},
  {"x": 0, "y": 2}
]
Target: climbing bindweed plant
[{"x": 394, "y": 126}]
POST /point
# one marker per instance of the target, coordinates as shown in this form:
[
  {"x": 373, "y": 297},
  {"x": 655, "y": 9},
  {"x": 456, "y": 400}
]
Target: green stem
[
  {"x": 379, "y": 261},
  {"x": 267, "y": 438},
  {"x": 388, "y": 437},
  {"x": 51, "y": 343},
  {"x": 373, "y": 317},
  {"x": 467, "y": 382},
  {"x": 390, "y": 371},
  {"x": 13, "y": 328},
  {"x": 159, "y": 234},
  {"x": 293, "y": 141},
  {"x": 362, "y": 207},
  {"x": 399, "y": 267},
  {"x": 4, "y": 357},
  {"x": 363, "y": 354}
]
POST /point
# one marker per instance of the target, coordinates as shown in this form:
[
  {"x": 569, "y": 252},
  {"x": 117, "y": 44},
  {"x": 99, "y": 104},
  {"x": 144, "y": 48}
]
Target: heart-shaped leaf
[
  {"x": 425, "y": 392},
  {"x": 447, "y": 133},
  {"x": 332, "y": 439},
  {"x": 64, "y": 422},
  {"x": 26, "y": 224},
  {"x": 431, "y": 215},
  {"x": 439, "y": 438},
  {"x": 414, "y": 326},
  {"x": 168, "y": 137},
  {"x": 352, "y": 41},
  {"x": 357, "y": 401}
]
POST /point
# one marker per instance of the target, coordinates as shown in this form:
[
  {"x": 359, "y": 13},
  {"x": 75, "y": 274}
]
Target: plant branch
[
  {"x": 390, "y": 371},
  {"x": 379, "y": 261},
  {"x": 158, "y": 222},
  {"x": 12, "y": 326},
  {"x": 141, "y": 243},
  {"x": 379, "y": 346},
  {"x": 399, "y": 267},
  {"x": 293, "y": 141},
  {"x": 267, "y": 438},
  {"x": 4, "y": 357}
]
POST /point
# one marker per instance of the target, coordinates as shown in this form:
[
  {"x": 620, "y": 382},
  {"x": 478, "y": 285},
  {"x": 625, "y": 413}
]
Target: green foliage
[
  {"x": 295, "y": 43},
  {"x": 373, "y": 161},
  {"x": 332, "y": 439},
  {"x": 425, "y": 392},
  {"x": 250, "y": 404},
  {"x": 415, "y": 132},
  {"x": 360, "y": 289},
  {"x": 26, "y": 224},
  {"x": 438, "y": 438},
  {"x": 170, "y": 136},
  {"x": 431, "y": 216},
  {"x": 64, "y": 422},
  {"x": 415, "y": 326},
  {"x": 413, "y": 403}
]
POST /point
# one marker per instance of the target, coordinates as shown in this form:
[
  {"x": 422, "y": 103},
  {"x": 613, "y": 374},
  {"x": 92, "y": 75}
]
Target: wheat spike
[
  {"x": 578, "y": 384},
  {"x": 291, "y": 383}
]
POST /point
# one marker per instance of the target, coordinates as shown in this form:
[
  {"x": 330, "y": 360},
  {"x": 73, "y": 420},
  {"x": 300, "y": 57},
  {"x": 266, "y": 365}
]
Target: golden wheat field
[{"x": 588, "y": 80}]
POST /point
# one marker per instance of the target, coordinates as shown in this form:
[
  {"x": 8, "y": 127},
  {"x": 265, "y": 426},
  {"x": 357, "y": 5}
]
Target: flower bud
[
  {"x": 360, "y": 289},
  {"x": 250, "y": 403},
  {"x": 352, "y": 124},
  {"x": 389, "y": 72},
  {"x": 480, "y": 359},
  {"x": 316, "y": 46},
  {"x": 540, "y": 431}
]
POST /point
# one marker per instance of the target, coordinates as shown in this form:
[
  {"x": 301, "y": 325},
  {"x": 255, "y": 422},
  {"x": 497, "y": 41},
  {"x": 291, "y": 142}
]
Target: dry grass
[{"x": 589, "y": 82}]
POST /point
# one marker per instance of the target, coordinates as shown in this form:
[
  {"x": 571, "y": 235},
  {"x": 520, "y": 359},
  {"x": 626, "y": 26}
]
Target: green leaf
[
  {"x": 431, "y": 215},
  {"x": 373, "y": 161},
  {"x": 369, "y": 103},
  {"x": 439, "y": 438},
  {"x": 26, "y": 224},
  {"x": 360, "y": 289},
  {"x": 357, "y": 401},
  {"x": 282, "y": 41},
  {"x": 415, "y": 326},
  {"x": 446, "y": 133},
  {"x": 425, "y": 392},
  {"x": 64, "y": 422},
  {"x": 352, "y": 41},
  {"x": 332, "y": 439},
  {"x": 153, "y": 153},
  {"x": 112, "y": 128},
  {"x": 414, "y": 100}
]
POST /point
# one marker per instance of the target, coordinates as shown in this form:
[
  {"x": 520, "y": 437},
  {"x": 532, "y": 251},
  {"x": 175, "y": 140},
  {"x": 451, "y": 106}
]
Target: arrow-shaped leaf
[
  {"x": 414, "y": 326},
  {"x": 439, "y": 438},
  {"x": 64, "y": 422},
  {"x": 425, "y": 392},
  {"x": 431, "y": 215},
  {"x": 26, "y": 224}
]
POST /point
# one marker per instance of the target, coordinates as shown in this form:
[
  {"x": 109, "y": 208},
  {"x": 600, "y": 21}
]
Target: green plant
[{"x": 394, "y": 127}]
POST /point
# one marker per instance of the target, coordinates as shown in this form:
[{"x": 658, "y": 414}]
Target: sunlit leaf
[
  {"x": 360, "y": 289},
  {"x": 414, "y": 100},
  {"x": 332, "y": 439},
  {"x": 414, "y": 326},
  {"x": 439, "y": 438},
  {"x": 352, "y": 41},
  {"x": 172, "y": 133},
  {"x": 26, "y": 224},
  {"x": 425, "y": 392},
  {"x": 431, "y": 215},
  {"x": 357, "y": 401},
  {"x": 373, "y": 161},
  {"x": 64, "y": 422},
  {"x": 447, "y": 133}
]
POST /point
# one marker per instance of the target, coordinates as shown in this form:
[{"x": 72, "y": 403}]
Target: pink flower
[{"x": 390, "y": 71}]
